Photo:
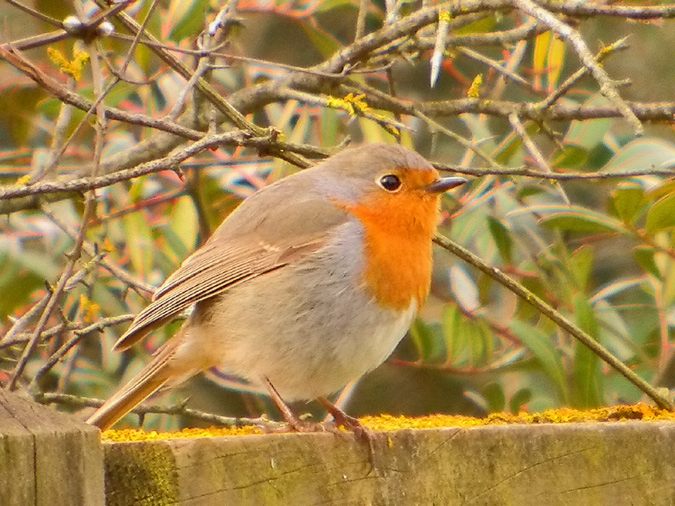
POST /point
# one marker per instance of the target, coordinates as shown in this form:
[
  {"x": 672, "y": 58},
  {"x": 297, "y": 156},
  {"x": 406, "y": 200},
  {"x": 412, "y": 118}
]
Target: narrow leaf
[
  {"x": 587, "y": 377},
  {"x": 581, "y": 265},
  {"x": 644, "y": 256},
  {"x": 544, "y": 351},
  {"x": 502, "y": 238},
  {"x": 555, "y": 61},
  {"x": 661, "y": 214},
  {"x": 627, "y": 200},
  {"x": 519, "y": 399},
  {"x": 583, "y": 220},
  {"x": 139, "y": 242},
  {"x": 642, "y": 154},
  {"x": 429, "y": 346}
]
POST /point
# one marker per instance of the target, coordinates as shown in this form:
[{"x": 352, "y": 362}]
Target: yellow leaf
[
  {"x": 539, "y": 56},
  {"x": 555, "y": 62},
  {"x": 474, "y": 89}
]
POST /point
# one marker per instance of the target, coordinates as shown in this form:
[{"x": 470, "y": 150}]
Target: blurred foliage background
[{"x": 598, "y": 246}]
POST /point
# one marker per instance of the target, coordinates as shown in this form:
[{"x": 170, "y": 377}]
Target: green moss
[{"x": 148, "y": 466}]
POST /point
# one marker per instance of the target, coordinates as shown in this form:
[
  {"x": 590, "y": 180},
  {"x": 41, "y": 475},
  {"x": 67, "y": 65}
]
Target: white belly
[{"x": 306, "y": 327}]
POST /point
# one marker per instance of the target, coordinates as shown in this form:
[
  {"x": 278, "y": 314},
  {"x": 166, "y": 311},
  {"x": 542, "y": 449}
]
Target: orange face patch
[{"x": 398, "y": 231}]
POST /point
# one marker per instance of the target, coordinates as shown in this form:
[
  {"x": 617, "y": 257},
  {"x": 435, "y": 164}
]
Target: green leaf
[
  {"x": 487, "y": 335},
  {"x": 581, "y": 265},
  {"x": 429, "y": 346},
  {"x": 502, "y": 238},
  {"x": 184, "y": 224},
  {"x": 464, "y": 288},
  {"x": 519, "y": 399},
  {"x": 174, "y": 253},
  {"x": 16, "y": 283},
  {"x": 323, "y": 41},
  {"x": 644, "y": 256},
  {"x": 479, "y": 127},
  {"x": 494, "y": 395},
  {"x": 191, "y": 19},
  {"x": 615, "y": 288},
  {"x": 476, "y": 344},
  {"x": 544, "y": 351},
  {"x": 328, "y": 5},
  {"x": 587, "y": 134},
  {"x": 139, "y": 242},
  {"x": 455, "y": 341},
  {"x": 510, "y": 152},
  {"x": 579, "y": 219},
  {"x": 571, "y": 157},
  {"x": 661, "y": 214},
  {"x": 587, "y": 377},
  {"x": 642, "y": 154},
  {"x": 627, "y": 200}
]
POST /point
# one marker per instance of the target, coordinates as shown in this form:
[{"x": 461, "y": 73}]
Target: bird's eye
[{"x": 390, "y": 182}]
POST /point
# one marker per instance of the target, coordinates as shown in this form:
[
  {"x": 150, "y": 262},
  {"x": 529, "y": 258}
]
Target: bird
[{"x": 310, "y": 283}]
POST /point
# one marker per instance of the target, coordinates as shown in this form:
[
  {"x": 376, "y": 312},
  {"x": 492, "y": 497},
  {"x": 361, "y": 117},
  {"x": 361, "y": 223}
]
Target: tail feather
[{"x": 158, "y": 372}]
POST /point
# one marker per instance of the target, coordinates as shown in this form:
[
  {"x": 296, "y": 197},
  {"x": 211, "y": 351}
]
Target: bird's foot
[{"x": 353, "y": 425}]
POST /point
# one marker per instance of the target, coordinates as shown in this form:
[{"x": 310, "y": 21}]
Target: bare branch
[{"x": 75, "y": 401}]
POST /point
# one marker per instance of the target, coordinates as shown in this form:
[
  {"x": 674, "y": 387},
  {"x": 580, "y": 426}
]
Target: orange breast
[{"x": 398, "y": 232}]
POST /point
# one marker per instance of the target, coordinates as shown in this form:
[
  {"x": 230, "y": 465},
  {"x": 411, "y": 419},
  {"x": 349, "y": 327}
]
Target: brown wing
[{"x": 272, "y": 238}]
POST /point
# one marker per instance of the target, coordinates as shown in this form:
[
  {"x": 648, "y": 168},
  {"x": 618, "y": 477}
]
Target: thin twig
[
  {"x": 435, "y": 125},
  {"x": 361, "y": 19},
  {"x": 562, "y": 176},
  {"x": 59, "y": 328},
  {"x": 91, "y": 250},
  {"x": 78, "y": 334},
  {"x": 534, "y": 152},
  {"x": 176, "y": 409},
  {"x": 236, "y": 138},
  {"x": 475, "y": 55}
]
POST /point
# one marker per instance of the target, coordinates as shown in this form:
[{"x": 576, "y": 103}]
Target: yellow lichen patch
[
  {"x": 640, "y": 412},
  {"x": 474, "y": 89},
  {"x": 72, "y": 67},
  {"x": 129, "y": 435},
  {"x": 560, "y": 415}
]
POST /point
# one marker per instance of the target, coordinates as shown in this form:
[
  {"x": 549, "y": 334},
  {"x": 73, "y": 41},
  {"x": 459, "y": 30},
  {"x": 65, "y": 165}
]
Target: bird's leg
[
  {"x": 341, "y": 418},
  {"x": 352, "y": 424},
  {"x": 293, "y": 421}
]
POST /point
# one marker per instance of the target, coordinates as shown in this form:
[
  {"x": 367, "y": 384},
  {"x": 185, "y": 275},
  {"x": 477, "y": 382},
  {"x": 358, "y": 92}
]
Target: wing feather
[
  {"x": 203, "y": 279},
  {"x": 230, "y": 258}
]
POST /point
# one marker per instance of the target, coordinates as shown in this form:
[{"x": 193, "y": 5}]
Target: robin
[{"x": 309, "y": 284}]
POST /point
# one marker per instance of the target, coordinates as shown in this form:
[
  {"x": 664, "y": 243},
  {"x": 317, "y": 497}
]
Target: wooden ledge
[
  {"x": 51, "y": 459},
  {"x": 625, "y": 462}
]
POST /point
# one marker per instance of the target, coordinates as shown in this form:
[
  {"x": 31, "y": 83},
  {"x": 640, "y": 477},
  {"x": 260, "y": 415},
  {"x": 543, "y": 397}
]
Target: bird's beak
[{"x": 445, "y": 183}]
